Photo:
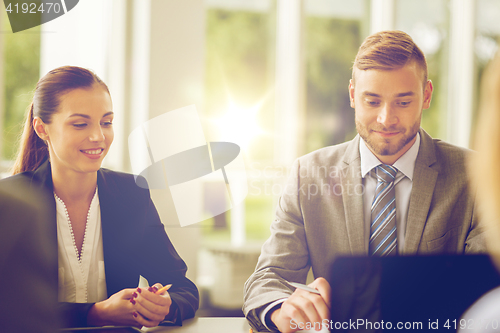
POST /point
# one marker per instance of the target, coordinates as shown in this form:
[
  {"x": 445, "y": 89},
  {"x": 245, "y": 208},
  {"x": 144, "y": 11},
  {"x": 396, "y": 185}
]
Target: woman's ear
[{"x": 40, "y": 128}]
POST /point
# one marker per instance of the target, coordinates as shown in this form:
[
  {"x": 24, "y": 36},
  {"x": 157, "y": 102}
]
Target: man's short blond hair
[{"x": 387, "y": 50}]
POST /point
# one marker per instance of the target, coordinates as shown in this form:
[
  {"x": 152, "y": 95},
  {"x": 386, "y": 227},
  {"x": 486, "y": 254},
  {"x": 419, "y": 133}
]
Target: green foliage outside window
[
  {"x": 239, "y": 66},
  {"x": 331, "y": 46},
  {"x": 21, "y": 73}
]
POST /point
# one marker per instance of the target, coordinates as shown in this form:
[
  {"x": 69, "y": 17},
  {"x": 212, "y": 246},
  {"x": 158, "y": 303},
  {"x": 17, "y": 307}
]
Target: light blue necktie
[{"x": 383, "y": 235}]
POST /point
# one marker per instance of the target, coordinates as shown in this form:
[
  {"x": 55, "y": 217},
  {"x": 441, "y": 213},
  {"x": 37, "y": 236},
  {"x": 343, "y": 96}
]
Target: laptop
[{"x": 412, "y": 293}]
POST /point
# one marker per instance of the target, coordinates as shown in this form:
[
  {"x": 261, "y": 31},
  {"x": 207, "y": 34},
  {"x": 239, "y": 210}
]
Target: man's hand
[{"x": 304, "y": 307}]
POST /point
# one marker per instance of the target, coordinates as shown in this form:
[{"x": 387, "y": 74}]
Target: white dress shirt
[
  {"x": 81, "y": 280},
  {"x": 404, "y": 183}
]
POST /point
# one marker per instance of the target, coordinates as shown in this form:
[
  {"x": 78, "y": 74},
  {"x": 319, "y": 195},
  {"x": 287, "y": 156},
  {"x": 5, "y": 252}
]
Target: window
[
  {"x": 21, "y": 68},
  {"x": 427, "y": 21},
  {"x": 334, "y": 31},
  {"x": 239, "y": 82}
]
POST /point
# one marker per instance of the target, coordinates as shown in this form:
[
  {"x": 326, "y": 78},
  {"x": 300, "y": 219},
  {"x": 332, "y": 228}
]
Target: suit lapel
[
  {"x": 104, "y": 200},
  {"x": 122, "y": 229},
  {"x": 42, "y": 176},
  {"x": 115, "y": 213},
  {"x": 42, "y": 179},
  {"x": 112, "y": 235},
  {"x": 353, "y": 201},
  {"x": 424, "y": 181},
  {"x": 111, "y": 216}
]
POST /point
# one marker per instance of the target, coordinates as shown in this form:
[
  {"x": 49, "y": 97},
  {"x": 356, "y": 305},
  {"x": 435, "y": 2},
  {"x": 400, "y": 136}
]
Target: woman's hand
[
  {"x": 118, "y": 310},
  {"x": 151, "y": 308}
]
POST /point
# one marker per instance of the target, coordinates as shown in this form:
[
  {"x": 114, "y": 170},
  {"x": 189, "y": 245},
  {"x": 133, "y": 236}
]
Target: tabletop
[
  {"x": 207, "y": 325},
  {"x": 214, "y": 325}
]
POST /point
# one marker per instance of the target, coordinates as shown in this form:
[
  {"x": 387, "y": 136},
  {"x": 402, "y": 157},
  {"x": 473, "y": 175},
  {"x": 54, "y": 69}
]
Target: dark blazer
[{"x": 134, "y": 242}]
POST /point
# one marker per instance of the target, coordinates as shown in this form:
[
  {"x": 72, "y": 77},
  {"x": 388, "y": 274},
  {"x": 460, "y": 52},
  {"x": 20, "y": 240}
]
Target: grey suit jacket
[{"x": 320, "y": 216}]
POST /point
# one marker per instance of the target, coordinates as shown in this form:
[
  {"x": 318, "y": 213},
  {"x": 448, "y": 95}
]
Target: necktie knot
[{"x": 386, "y": 173}]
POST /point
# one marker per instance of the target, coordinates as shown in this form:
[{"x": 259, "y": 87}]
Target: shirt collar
[{"x": 405, "y": 164}]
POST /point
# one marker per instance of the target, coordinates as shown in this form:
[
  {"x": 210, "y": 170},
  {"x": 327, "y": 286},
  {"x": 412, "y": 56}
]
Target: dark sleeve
[
  {"x": 74, "y": 314},
  {"x": 135, "y": 243},
  {"x": 161, "y": 263}
]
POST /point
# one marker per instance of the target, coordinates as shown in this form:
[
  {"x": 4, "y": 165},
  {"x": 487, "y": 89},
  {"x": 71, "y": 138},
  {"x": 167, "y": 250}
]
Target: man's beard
[{"x": 384, "y": 147}]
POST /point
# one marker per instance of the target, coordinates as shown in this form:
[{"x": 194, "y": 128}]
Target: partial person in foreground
[
  {"x": 484, "y": 315},
  {"x": 108, "y": 230},
  {"x": 28, "y": 262},
  {"x": 392, "y": 190}
]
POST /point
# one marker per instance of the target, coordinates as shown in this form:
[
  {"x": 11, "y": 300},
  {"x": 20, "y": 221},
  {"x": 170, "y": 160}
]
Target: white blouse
[{"x": 81, "y": 280}]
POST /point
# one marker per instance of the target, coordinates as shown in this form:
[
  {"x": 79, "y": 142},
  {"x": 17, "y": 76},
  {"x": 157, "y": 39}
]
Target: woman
[
  {"x": 484, "y": 315},
  {"x": 108, "y": 230}
]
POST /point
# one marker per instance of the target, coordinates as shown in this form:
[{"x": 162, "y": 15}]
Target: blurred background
[{"x": 269, "y": 75}]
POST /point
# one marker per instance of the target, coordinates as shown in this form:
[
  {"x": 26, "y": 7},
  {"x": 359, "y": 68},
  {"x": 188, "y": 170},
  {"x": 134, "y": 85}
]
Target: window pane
[
  {"x": 239, "y": 82},
  {"x": 21, "y": 72},
  {"x": 427, "y": 22},
  {"x": 239, "y": 76},
  {"x": 334, "y": 31}
]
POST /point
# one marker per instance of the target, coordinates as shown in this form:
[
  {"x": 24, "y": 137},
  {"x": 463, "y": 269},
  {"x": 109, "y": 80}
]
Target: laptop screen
[{"x": 407, "y": 292}]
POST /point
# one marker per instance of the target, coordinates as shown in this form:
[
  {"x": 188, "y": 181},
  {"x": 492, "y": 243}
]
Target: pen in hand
[
  {"x": 161, "y": 290},
  {"x": 303, "y": 287}
]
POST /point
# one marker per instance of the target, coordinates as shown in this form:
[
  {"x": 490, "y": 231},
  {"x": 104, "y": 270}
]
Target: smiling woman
[
  {"x": 80, "y": 134},
  {"x": 51, "y": 94},
  {"x": 108, "y": 230}
]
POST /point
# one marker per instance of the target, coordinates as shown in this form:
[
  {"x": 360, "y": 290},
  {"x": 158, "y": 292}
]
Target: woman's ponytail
[{"x": 32, "y": 150}]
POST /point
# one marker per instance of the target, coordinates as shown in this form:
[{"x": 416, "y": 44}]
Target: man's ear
[
  {"x": 428, "y": 94},
  {"x": 40, "y": 128},
  {"x": 351, "y": 93}
]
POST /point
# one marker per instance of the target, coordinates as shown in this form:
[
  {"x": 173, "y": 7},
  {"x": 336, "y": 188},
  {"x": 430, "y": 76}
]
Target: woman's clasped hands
[
  {"x": 132, "y": 307},
  {"x": 151, "y": 308}
]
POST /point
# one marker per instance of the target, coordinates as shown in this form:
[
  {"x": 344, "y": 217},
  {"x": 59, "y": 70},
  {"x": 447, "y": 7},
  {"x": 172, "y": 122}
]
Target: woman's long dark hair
[{"x": 48, "y": 92}]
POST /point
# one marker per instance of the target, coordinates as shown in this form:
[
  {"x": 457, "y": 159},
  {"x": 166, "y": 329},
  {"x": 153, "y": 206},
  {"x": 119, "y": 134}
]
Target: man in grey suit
[{"x": 392, "y": 190}]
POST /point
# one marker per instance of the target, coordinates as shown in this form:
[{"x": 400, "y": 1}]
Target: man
[{"x": 392, "y": 190}]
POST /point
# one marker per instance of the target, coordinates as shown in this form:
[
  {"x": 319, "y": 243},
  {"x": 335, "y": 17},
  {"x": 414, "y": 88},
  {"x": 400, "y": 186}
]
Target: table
[
  {"x": 213, "y": 325},
  {"x": 207, "y": 325}
]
